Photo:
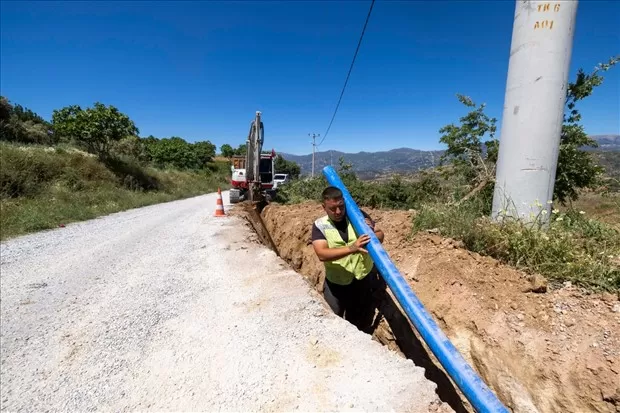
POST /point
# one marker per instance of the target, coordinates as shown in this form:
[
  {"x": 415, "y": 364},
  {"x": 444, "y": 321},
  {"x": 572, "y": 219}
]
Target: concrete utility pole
[
  {"x": 313, "y": 136},
  {"x": 542, "y": 40}
]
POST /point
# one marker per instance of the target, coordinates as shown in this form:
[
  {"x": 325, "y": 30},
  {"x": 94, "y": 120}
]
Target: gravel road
[{"x": 168, "y": 308}]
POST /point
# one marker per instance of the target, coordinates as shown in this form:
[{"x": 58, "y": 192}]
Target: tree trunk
[{"x": 474, "y": 191}]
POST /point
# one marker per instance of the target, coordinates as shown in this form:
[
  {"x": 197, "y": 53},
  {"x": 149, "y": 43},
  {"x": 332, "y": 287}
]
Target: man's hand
[
  {"x": 324, "y": 253},
  {"x": 358, "y": 245},
  {"x": 380, "y": 235}
]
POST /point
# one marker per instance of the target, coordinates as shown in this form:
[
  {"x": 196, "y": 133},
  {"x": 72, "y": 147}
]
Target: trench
[
  {"x": 558, "y": 351},
  {"x": 390, "y": 328}
]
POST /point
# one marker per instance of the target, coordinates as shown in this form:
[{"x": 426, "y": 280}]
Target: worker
[{"x": 351, "y": 278}]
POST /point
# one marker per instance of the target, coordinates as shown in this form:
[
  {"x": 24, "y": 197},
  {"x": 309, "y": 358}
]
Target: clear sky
[{"x": 200, "y": 70}]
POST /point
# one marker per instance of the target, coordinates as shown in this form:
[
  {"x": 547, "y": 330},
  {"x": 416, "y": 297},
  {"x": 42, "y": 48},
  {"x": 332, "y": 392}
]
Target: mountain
[
  {"x": 607, "y": 142},
  {"x": 610, "y": 160},
  {"x": 369, "y": 165}
]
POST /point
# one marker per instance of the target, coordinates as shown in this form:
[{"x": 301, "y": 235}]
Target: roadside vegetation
[
  {"x": 456, "y": 198},
  {"x": 91, "y": 162}
]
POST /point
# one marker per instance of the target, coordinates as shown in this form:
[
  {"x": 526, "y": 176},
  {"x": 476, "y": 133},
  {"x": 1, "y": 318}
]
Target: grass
[
  {"x": 41, "y": 188},
  {"x": 572, "y": 248},
  {"x": 604, "y": 207}
]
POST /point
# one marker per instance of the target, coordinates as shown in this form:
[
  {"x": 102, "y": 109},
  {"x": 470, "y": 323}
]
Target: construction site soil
[{"x": 553, "y": 351}]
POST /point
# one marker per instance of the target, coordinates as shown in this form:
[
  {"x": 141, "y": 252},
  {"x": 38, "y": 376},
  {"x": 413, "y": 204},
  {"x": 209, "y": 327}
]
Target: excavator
[
  {"x": 253, "y": 174},
  {"x": 253, "y": 179}
]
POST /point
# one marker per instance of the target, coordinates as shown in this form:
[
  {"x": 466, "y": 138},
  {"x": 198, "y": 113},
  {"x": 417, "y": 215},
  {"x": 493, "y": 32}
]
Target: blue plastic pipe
[{"x": 472, "y": 386}]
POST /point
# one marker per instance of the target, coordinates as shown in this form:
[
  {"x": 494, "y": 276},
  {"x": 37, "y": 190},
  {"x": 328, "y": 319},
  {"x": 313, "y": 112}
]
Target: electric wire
[{"x": 359, "y": 43}]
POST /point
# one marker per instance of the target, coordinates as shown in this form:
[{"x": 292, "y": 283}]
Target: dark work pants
[{"x": 357, "y": 301}]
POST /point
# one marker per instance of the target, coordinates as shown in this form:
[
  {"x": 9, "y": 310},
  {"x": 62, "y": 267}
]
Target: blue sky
[{"x": 200, "y": 70}]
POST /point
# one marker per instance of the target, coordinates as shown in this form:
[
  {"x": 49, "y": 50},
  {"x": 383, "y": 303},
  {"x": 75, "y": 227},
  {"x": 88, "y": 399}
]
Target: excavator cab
[{"x": 266, "y": 172}]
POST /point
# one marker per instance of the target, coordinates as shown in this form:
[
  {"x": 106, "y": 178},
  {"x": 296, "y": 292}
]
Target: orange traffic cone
[{"x": 219, "y": 208}]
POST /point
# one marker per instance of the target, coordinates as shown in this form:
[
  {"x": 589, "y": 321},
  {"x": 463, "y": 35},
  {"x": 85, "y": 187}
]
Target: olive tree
[
  {"x": 472, "y": 148},
  {"x": 95, "y": 128}
]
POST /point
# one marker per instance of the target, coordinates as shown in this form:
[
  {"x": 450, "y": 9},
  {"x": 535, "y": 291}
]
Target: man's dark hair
[{"x": 331, "y": 192}]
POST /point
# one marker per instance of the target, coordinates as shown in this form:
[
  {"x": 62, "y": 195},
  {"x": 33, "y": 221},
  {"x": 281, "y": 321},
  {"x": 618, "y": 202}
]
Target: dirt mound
[{"x": 553, "y": 352}]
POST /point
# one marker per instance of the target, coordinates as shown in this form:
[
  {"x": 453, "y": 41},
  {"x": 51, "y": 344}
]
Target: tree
[
  {"x": 227, "y": 150},
  {"x": 241, "y": 150},
  {"x": 475, "y": 159},
  {"x": 20, "y": 124},
  {"x": 344, "y": 167},
  {"x": 6, "y": 109},
  {"x": 282, "y": 166},
  {"x": 472, "y": 147},
  {"x": 132, "y": 147},
  {"x": 96, "y": 128},
  {"x": 204, "y": 151},
  {"x": 177, "y": 153},
  {"x": 6, "y": 112},
  {"x": 577, "y": 168},
  {"x": 172, "y": 151},
  {"x": 25, "y": 115}
]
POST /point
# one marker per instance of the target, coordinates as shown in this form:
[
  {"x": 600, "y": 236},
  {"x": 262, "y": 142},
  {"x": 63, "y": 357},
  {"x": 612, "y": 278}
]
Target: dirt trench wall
[{"x": 553, "y": 352}]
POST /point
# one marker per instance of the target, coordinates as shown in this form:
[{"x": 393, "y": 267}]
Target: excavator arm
[
  {"x": 255, "y": 141},
  {"x": 254, "y": 180}
]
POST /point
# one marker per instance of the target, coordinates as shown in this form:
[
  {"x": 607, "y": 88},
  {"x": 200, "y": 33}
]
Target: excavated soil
[{"x": 557, "y": 351}]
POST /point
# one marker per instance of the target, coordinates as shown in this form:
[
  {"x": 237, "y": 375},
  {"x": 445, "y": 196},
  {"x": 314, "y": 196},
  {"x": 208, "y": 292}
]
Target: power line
[
  {"x": 359, "y": 43},
  {"x": 314, "y": 145}
]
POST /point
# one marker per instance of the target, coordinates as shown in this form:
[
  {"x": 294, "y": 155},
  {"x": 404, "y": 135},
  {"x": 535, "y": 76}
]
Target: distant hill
[
  {"x": 610, "y": 160},
  {"x": 369, "y": 165},
  {"x": 607, "y": 142}
]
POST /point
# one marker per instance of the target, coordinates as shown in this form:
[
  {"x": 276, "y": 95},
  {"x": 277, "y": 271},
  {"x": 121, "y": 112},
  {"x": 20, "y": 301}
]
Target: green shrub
[
  {"x": 393, "y": 194},
  {"x": 299, "y": 190},
  {"x": 218, "y": 168},
  {"x": 27, "y": 171},
  {"x": 572, "y": 247},
  {"x": 132, "y": 175}
]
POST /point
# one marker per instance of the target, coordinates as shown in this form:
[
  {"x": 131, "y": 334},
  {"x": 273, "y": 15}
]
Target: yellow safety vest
[{"x": 342, "y": 271}]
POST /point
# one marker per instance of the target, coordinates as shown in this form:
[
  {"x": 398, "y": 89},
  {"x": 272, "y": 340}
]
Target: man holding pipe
[{"x": 351, "y": 277}]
